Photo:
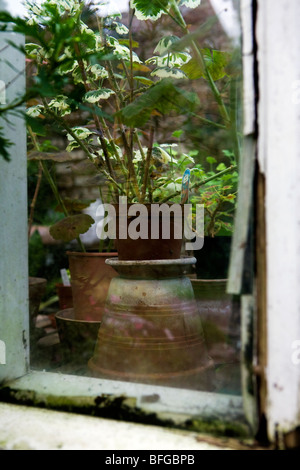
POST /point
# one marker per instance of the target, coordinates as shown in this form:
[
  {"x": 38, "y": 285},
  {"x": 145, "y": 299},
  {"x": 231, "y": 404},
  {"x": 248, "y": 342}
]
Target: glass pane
[{"x": 127, "y": 114}]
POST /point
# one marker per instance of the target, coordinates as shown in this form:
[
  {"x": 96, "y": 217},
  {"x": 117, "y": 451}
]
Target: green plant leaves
[
  {"x": 190, "y": 3},
  {"x": 75, "y": 205},
  {"x": 71, "y": 227},
  {"x": 4, "y": 145},
  {"x": 165, "y": 43},
  {"x": 145, "y": 10},
  {"x": 215, "y": 61},
  {"x": 162, "y": 98},
  {"x": 97, "y": 95}
]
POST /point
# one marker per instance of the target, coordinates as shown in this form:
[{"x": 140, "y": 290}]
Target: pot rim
[
  {"x": 67, "y": 315},
  {"x": 92, "y": 254}
]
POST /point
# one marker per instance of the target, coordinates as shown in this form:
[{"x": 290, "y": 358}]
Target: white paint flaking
[{"x": 278, "y": 37}]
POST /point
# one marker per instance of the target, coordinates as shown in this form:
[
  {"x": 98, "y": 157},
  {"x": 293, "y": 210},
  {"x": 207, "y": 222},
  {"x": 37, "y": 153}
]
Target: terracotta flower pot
[
  {"x": 149, "y": 248},
  {"x": 151, "y": 331},
  {"x": 37, "y": 289},
  {"x": 221, "y": 324},
  {"x": 65, "y": 298},
  {"x": 77, "y": 337},
  {"x": 90, "y": 280}
]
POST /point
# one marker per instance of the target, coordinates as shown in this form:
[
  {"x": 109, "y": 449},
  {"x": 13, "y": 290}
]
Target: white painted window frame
[
  {"x": 272, "y": 134},
  {"x": 54, "y": 389},
  {"x": 278, "y": 55}
]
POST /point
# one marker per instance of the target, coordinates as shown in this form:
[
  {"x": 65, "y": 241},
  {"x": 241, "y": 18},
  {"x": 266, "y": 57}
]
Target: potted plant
[{"x": 91, "y": 84}]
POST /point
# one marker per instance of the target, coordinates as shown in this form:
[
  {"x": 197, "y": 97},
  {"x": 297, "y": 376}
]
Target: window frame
[
  {"x": 203, "y": 410},
  {"x": 269, "y": 367}
]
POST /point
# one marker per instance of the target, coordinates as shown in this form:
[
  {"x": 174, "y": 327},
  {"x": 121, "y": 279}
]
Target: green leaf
[
  {"x": 165, "y": 43},
  {"x": 221, "y": 167},
  {"x": 4, "y": 145},
  {"x": 144, "y": 80},
  {"x": 168, "y": 72},
  {"x": 162, "y": 97},
  {"x": 193, "y": 69},
  {"x": 145, "y": 10},
  {"x": 190, "y": 3},
  {"x": 71, "y": 227},
  {"x": 120, "y": 28},
  {"x": 67, "y": 67},
  {"x": 211, "y": 160},
  {"x": 97, "y": 95},
  {"x": 36, "y": 125},
  {"x": 177, "y": 134},
  {"x": 75, "y": 205},
  {"x": 216, "y": 62},
  {"x": 126, "y": 42}
]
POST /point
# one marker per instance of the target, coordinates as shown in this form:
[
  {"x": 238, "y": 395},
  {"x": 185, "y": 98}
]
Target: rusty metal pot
[{"x": 151, "y": 331}]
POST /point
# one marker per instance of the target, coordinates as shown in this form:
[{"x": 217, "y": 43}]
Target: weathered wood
[
  {"x": 278, "y": 38},
  {"x": 247, "y": 164},
  {"x": 14, "y": 322},
  {"x": 242, "y": 217}
]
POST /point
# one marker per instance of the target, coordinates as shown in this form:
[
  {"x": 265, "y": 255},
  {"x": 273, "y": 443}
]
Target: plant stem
[
  {"x": 65, "y": 126},
  {"x": 147, "y": 163},
  {"x": 201, "y": 61},
  {"x": 52, "y": 183},
  {"x": 34, "y": 199},
  {"x": 95, "y": 117},
  {"x": 128, "y": 149}
]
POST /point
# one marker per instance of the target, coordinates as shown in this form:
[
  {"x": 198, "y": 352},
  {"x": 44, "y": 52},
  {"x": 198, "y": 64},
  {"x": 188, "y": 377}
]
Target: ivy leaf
[
  {"x": 145, "y": 10},
  {"x": 71, "y": 227}
]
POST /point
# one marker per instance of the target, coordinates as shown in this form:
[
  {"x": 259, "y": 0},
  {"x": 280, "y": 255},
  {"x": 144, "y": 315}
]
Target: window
[{"x": 260, "y": 322}]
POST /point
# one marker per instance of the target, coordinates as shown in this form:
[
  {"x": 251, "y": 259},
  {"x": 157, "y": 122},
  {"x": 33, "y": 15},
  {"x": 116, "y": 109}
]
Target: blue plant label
[{"x": 185, "y": 186}]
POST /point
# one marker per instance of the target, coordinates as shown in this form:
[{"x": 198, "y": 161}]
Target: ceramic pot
[
  {"x": 149, "y": 248},
  {"x": 213, "y": 258},
  {"x": 65, "y": 298},
  {"x": 90, "y": 280},
  {"x": 151, "y": 330},
  {"x": 220, "y": 316},
  {"x": 77, "y": 337},
  {"x": 37, "y": 290}
]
